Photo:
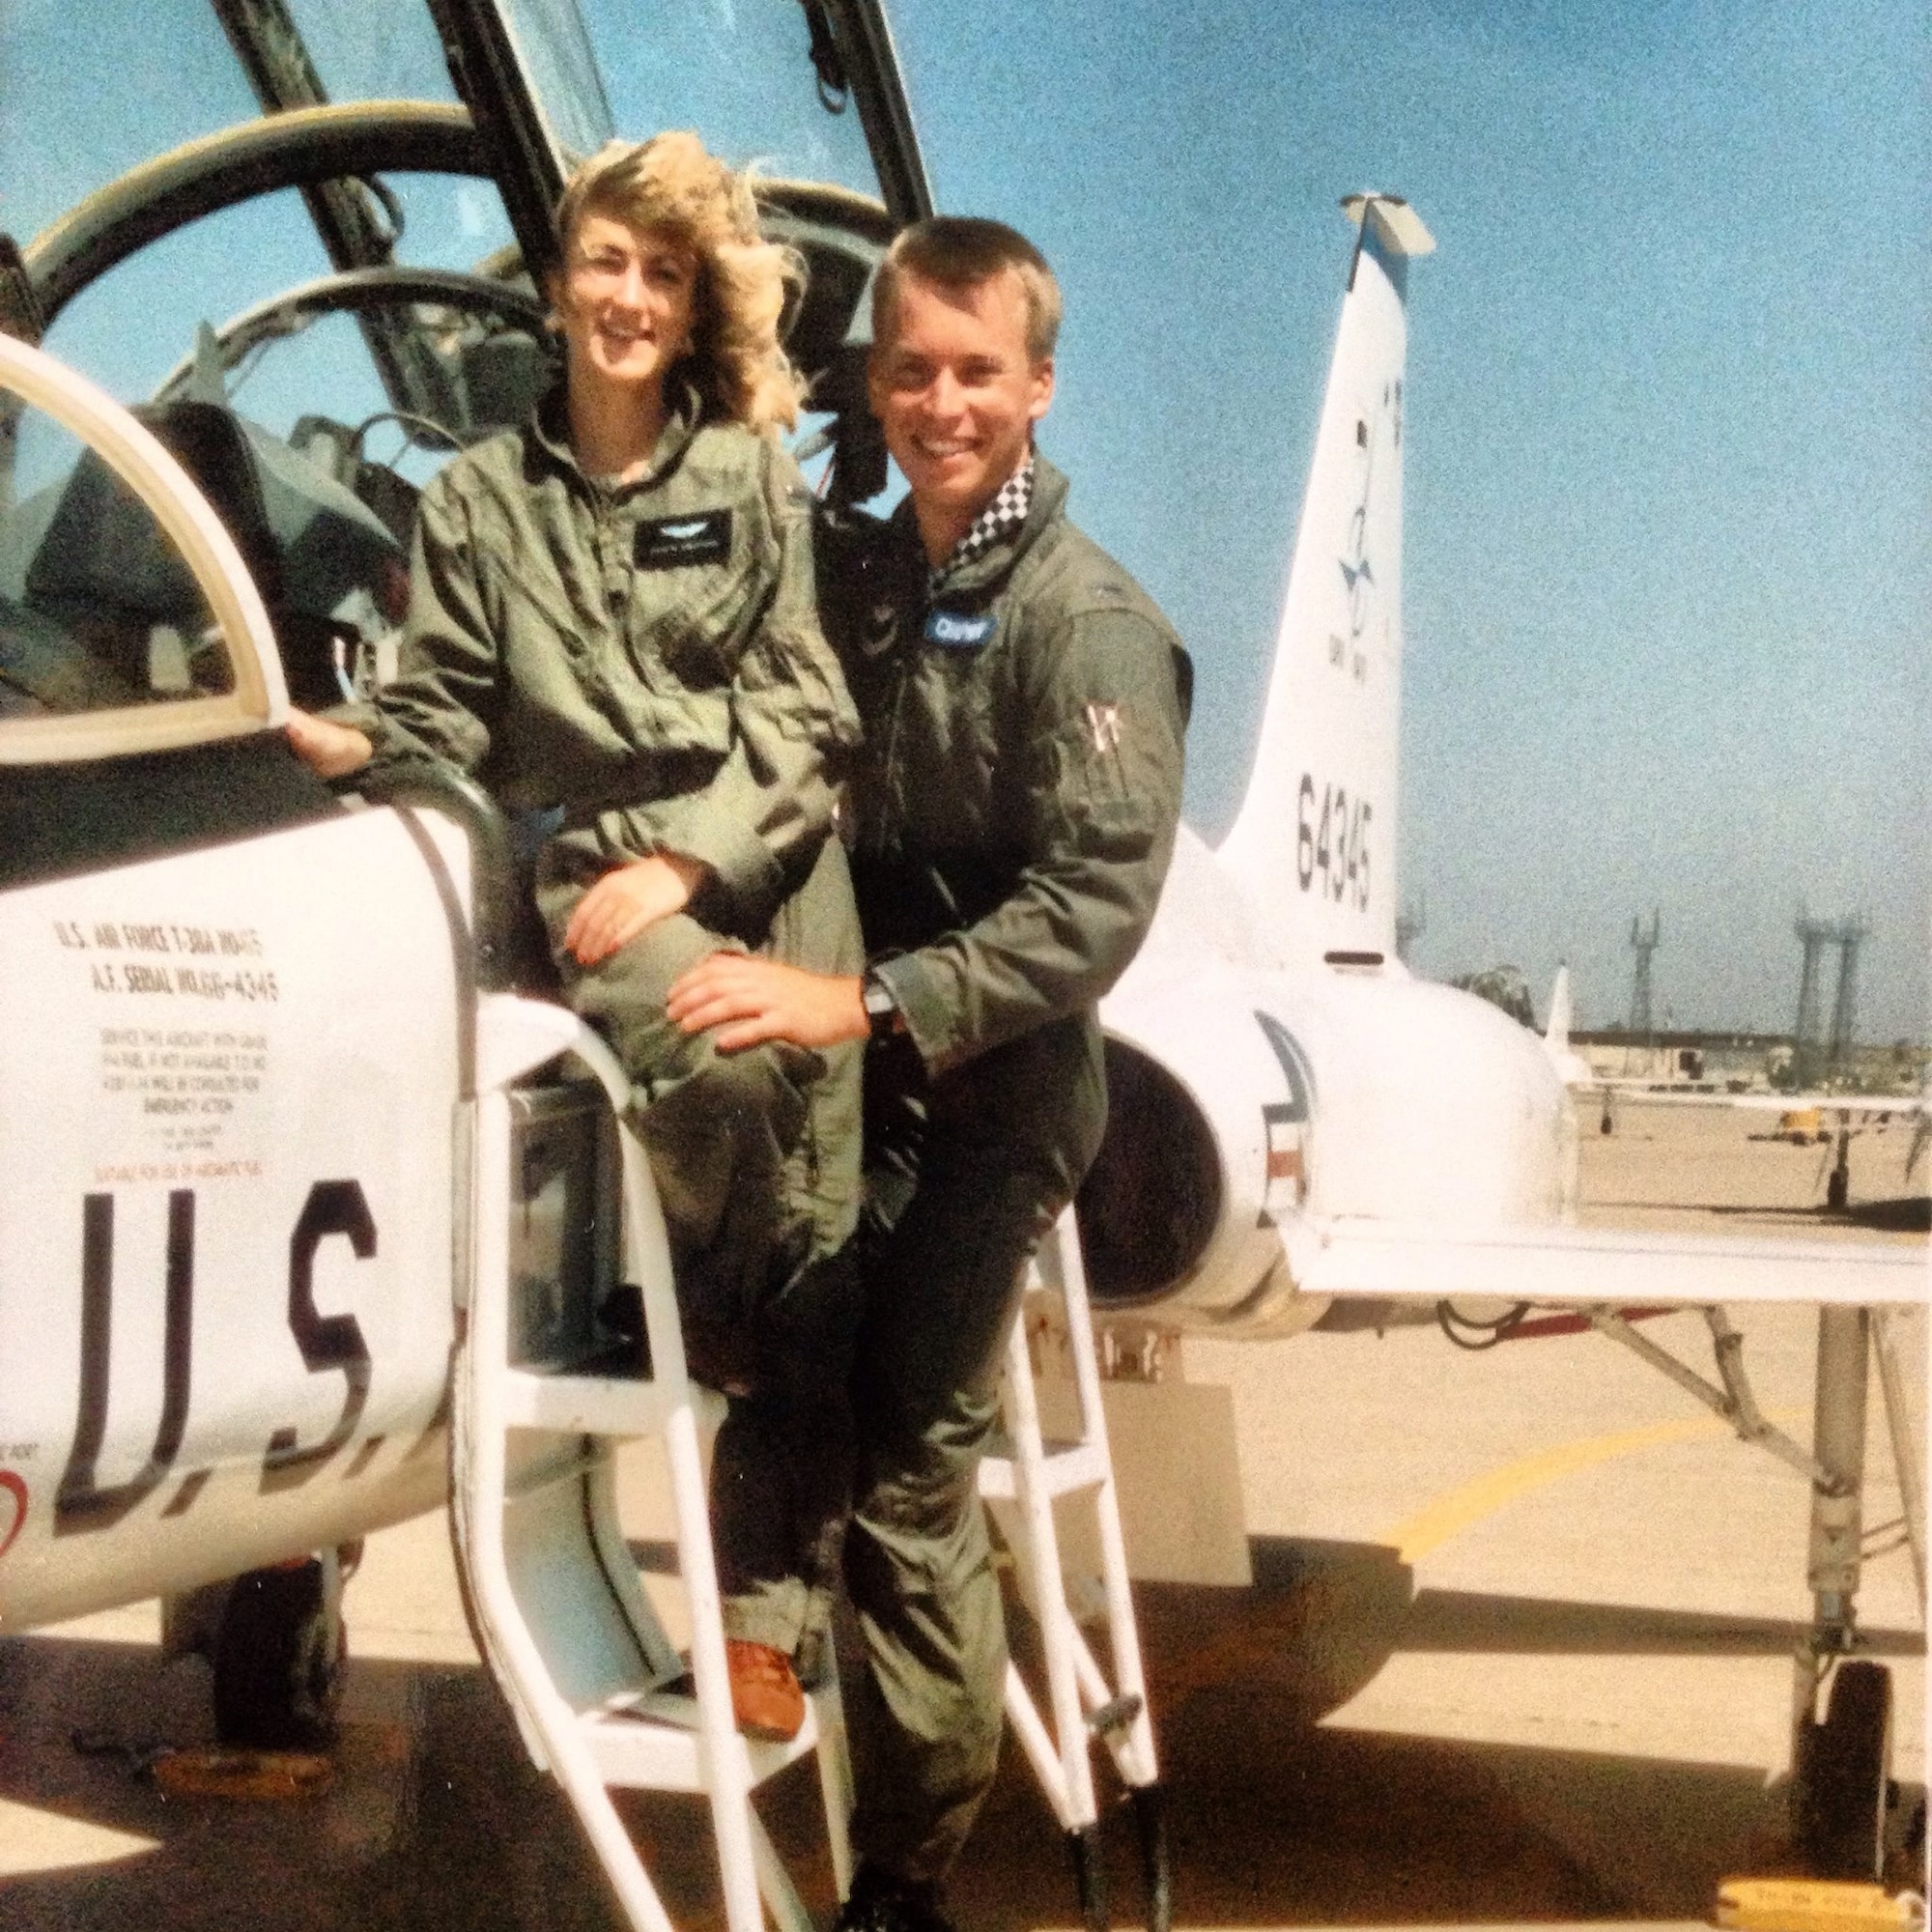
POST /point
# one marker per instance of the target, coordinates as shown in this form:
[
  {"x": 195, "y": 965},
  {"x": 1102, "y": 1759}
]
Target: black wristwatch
[{"x": 882, "y": 1011}]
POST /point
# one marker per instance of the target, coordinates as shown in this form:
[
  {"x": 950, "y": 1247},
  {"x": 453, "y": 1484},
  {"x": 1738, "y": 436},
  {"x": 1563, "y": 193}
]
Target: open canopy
[
  {"x": 284, "y": 169},
  {"x": 307, "y": 240}
]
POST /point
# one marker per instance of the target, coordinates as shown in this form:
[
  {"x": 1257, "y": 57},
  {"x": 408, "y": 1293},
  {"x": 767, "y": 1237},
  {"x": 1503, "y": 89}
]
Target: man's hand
[
  {"x": 624, "y": 902},
  {"x": 750, "y": 1001},
  {"x": 330, "y": 751}
]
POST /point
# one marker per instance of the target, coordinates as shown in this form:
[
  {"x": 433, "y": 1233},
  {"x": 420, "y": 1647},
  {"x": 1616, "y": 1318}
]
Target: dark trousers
[{"x": 964, "y": 1175}]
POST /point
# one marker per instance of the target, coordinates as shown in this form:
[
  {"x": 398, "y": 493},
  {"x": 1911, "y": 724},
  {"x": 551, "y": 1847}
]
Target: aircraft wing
[
  {"x": 1637, "y": 1094},
  {"x": 1588, "y": 1266}
]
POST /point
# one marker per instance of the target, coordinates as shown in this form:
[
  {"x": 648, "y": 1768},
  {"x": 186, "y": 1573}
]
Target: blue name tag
[{"x": 957, "y": 631}]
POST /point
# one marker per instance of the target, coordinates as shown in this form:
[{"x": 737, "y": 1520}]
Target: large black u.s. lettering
[
  {"x": 79, "y": 1503},
  {"x": 333, "y": 1342},
  {"x": 325, "y": 1341}
]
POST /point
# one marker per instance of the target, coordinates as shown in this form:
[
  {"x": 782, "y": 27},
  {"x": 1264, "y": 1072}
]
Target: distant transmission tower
[
  {"x": 1410, "y": 924},
  {"x": 1807, "y": 1036},
  {"x": 1643, "y": 943},
  {"x": 1852, "y": 933}
]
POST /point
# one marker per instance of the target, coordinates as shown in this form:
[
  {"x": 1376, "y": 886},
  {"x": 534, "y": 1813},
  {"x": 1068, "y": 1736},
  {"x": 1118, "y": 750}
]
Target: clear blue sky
[
  {"x": 1667, "y": 491},
  {"x": 1667, "y": 566}
]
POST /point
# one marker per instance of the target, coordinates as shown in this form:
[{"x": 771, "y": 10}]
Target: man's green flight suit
[
  {"x": 1016, "y": 804},
  {"x": 645, "y": 661}
]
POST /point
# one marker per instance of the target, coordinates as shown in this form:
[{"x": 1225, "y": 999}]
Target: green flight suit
[
  {"x": 644, "y": 662},
  {"x": 1015, "y": 804}
]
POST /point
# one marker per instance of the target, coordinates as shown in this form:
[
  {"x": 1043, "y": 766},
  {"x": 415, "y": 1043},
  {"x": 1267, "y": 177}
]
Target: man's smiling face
[{"x": 957, "y": 393}]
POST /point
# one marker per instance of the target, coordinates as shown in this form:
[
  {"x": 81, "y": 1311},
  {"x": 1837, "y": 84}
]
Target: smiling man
[{"x": 1013, "y": 814}]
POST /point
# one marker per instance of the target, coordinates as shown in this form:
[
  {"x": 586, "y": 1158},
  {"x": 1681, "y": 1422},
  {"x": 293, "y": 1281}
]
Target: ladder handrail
[
  {"x": 1031, "y": 1477},
  {"x": 514, "y": 1037},
  {"x": 479, "y": 1436}
]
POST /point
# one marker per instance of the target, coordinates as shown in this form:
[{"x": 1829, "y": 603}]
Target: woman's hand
[
  {"x": 628, "y": 900},
  {"x": 750, "y": 1001},
  {"x": 330, "y": 751}
]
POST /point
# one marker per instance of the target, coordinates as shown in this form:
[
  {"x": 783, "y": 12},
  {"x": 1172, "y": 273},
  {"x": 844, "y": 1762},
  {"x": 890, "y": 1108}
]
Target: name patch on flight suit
[
  {"x": 957, "y": 631},
  {"x": 669, "y": 543}
]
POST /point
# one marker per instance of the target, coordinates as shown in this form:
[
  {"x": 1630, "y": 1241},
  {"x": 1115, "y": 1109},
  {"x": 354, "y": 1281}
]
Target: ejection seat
[{"x": 88, "y": 558}]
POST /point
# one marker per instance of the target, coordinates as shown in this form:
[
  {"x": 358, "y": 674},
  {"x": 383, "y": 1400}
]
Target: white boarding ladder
[
  {"x": 1083, "y": 1704},
  {"x": 600, "y": 1694}
]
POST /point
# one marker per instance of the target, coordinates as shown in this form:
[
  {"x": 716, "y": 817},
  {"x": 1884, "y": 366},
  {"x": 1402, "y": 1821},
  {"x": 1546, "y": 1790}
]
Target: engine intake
[{"x": 1153, "y": 1199}]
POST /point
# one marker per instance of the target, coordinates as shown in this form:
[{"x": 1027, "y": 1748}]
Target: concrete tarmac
[{"x": 1519, "y": 1653}]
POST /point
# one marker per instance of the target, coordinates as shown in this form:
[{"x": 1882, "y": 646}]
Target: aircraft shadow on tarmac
[
  {"x": 1904, "y": 1214},
  {"x": 1455, "y": 1620},
  {"x": 1324, "y": 1617},
  {"x": 437, "y": 1823}
]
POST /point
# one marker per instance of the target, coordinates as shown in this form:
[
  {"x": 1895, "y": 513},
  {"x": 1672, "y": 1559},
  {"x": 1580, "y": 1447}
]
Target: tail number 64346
[{"x": 1331, "y": 839}]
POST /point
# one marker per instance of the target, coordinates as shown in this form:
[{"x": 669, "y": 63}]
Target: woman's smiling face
[{"x": 627, "y": 299}]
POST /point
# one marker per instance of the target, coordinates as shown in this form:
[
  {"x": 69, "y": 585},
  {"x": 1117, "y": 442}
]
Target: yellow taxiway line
[{"x": 1456, "y": 1510}]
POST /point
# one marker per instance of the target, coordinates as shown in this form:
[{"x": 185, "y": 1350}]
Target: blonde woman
[{"x": 613, "y": 614}]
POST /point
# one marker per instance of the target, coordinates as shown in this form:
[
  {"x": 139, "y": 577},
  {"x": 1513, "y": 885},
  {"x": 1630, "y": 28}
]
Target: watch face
[{"x": 881, "y": 1008}]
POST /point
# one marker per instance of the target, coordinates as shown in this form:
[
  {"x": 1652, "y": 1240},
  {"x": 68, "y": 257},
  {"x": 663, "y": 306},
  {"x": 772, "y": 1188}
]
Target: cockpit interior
[{"x": 313, "y": 269}]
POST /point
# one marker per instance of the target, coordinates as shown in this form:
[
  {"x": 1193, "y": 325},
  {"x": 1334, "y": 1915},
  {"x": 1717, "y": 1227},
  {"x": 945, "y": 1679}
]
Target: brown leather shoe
[{"x": 766, "y": 1700}]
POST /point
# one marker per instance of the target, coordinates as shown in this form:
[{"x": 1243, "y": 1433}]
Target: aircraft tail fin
[
  {"x": 1556, "y": 1034},
  {"x": 1313, "y": 845},
  {"x": 1572, "y": 1069}
]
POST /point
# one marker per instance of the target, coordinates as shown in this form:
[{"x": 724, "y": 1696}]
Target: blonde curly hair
[{"x": 669, "y": 184}]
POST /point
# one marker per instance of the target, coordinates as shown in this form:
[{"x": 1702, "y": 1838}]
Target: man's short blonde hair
[
  {"x": 669, "y": 184},
  {"x": 963, "y": 251}
]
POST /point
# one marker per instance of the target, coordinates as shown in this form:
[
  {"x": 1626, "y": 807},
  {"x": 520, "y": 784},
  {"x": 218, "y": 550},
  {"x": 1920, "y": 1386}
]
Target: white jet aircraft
[
  {"x": 1850, "y": 1114},
  {"x": 1304, "y": 1136},
  {"x": 254, "y": 1138},
  {"x": 236, "y": 1176}
]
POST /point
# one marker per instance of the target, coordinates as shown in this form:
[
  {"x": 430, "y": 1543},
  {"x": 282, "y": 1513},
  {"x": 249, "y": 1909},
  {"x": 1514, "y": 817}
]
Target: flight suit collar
[
  {"x": 550, "y": 427},
  {"x": 982, "y": 577}
]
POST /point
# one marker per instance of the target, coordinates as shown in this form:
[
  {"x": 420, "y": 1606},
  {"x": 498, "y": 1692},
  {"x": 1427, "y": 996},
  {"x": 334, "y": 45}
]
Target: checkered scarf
[{"x": 1005, "y": 514}]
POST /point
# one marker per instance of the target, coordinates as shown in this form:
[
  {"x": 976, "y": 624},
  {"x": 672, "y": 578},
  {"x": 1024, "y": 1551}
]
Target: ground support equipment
[
  {"x": 1022, "y": 1484},
  {"x": 600, "y": 1694}
]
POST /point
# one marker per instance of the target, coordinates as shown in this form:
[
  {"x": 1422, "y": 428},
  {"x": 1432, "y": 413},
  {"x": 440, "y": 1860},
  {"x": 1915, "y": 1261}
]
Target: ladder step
[
  {"x": 653, "y": 1744},
  {"x": 584, "y": 1405},
  {"x": 1063, "y": 1471},
  {"x": 643, "y": 1752}
]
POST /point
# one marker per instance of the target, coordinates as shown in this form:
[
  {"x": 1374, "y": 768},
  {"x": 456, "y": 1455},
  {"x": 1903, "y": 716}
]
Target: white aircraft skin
[
  {"x": 1343, "y": 1126},
  {"x": 1410, "y": 1103},
  {"x": 1324, "y": 1140},
  {"x": 305, "y": 991},
  {"x": 240, "y": 1076}
]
